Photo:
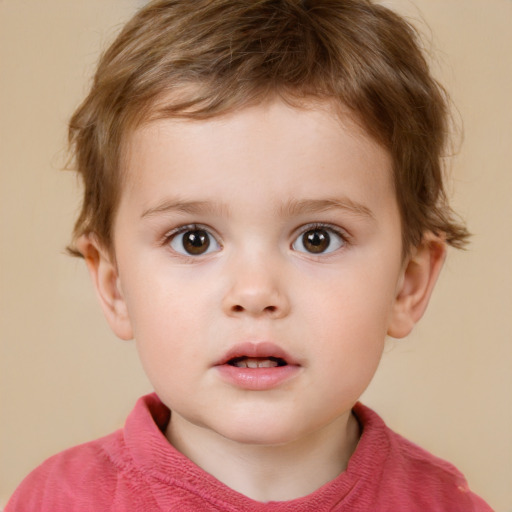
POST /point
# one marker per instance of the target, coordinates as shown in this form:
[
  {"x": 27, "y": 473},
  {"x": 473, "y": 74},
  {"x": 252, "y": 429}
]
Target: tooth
[
  {"x": 255, "y": 363},
  {"x": 267, "y": 363}
]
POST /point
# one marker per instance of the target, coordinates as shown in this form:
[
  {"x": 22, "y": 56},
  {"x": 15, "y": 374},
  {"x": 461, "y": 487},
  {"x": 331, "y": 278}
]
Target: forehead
[
  {"x": 185, "y": 107},
  {"x": 269, "y": 145}
]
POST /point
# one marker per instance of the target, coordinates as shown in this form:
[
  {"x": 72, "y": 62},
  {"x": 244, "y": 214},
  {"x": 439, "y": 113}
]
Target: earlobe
[
  {"x": 105, "y": 279},
  {"x": 420, "y": 274}
]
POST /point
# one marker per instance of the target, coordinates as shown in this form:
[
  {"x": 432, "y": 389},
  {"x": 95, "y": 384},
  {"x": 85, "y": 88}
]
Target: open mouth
[
  {"x": 257, "y": 366},
  {"x": 256, "y": 355},
  {"x": 256, "y": 362}
]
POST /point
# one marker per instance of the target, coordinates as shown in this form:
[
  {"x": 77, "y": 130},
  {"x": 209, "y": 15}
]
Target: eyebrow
[
  {"x": 290, "y": 209},
  {"x": 305, "y": 206},
  {"x": 182, "y": 206}
]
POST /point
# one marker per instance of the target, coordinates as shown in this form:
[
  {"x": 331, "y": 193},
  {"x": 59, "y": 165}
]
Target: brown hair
[{"x": 207, "y": 57}]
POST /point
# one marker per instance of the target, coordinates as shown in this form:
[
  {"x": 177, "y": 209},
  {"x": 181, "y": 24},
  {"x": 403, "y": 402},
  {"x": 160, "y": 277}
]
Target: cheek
[
  {"x": 160, "y": 299},
  {"x": 161, "y": 315},
  {"x": 357, "y": 298},
  {"x": 350, "y": 320},
  {"x": 172, "y": 315},
  {"x": 349, "y": 353}
]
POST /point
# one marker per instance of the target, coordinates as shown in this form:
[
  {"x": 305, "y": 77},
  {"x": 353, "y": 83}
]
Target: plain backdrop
[{"x": 65, "y": 379}]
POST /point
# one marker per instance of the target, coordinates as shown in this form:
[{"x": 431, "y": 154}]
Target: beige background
[{"x": 65, "y": 379}]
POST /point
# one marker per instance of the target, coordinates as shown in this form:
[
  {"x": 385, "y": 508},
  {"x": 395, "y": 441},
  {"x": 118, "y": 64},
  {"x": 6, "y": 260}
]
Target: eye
[
  {"x": 319, "y": 240},
  {"x": 193, "y": 241}
]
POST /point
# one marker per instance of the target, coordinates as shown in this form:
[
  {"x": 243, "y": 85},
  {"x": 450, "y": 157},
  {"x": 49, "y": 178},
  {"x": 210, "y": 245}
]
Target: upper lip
[{"x": 256, "y": 350}]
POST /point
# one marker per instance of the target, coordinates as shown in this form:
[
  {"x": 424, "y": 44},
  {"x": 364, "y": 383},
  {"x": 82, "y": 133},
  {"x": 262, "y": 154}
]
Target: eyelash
[
  {"x": 171, "y": 235},
  {"x": 342, "y": 234}
]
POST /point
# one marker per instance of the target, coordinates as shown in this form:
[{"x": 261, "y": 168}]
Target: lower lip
[{"x": 257, "y": 379}]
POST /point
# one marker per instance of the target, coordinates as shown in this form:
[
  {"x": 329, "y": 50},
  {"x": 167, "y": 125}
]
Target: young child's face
[{"x": 270, "y": 237}]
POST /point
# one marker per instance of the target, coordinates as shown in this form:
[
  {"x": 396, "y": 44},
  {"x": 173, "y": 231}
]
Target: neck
[{"x": 269, "y": 473}]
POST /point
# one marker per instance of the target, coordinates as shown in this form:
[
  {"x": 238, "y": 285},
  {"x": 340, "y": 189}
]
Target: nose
[{"x": 257, "y": 288}]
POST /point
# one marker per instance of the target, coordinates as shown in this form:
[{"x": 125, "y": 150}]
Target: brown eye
[
  {"x": 194, "y": 242},
  {"x": 318, "y": 241}
]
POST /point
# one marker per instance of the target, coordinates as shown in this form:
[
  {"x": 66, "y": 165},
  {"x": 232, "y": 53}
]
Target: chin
[{"x": 260, "y": 432}]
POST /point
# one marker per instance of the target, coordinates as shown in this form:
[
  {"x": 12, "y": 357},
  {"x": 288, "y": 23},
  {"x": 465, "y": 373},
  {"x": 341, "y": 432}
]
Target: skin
[{"x": 253, "y": 182}]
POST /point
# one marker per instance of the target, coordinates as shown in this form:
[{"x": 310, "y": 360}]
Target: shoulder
[
  {"x": 112, "y": 473},
  {"x": 413, "y": 478},
  {"x": 73, "y": 479}
]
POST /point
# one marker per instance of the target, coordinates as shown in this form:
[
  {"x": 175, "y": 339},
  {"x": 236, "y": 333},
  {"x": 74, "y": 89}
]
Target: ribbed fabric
[{"x": 136, "y": 469}]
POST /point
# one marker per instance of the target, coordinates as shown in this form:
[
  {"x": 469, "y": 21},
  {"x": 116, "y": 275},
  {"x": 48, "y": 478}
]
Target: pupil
[
  {"x": 316, "y": 240},
  {"x": 196, "y": 242}
]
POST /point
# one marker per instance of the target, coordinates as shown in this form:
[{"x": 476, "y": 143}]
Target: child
[{"x": 263, "y": 205}]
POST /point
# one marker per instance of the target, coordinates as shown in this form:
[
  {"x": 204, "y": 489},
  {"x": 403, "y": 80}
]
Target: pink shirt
[{"x": 136, "y": 469}]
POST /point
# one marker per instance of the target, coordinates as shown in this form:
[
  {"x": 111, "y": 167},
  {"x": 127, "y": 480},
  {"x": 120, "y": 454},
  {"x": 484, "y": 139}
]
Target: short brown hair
[{"x": 212, "y": 56}]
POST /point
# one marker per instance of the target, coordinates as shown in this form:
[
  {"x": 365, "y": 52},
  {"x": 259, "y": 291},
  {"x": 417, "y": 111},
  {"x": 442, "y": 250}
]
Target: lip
[
  {"x": 257, "y": 379},
  {"x": 262, "y": 349}
]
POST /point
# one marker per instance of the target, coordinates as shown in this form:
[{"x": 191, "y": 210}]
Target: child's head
[
  {"x": 263, "y": 189},
  {"x": 202, "y": 59}
]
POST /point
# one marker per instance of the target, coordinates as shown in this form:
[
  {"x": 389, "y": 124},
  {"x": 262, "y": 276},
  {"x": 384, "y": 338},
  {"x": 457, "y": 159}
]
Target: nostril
[{"x": 239, "y": 309}]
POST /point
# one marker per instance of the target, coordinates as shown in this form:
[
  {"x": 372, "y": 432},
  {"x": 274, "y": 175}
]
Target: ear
[
  {"x": 420, "y": 273},
  {"x": 104, "y": 275}
]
